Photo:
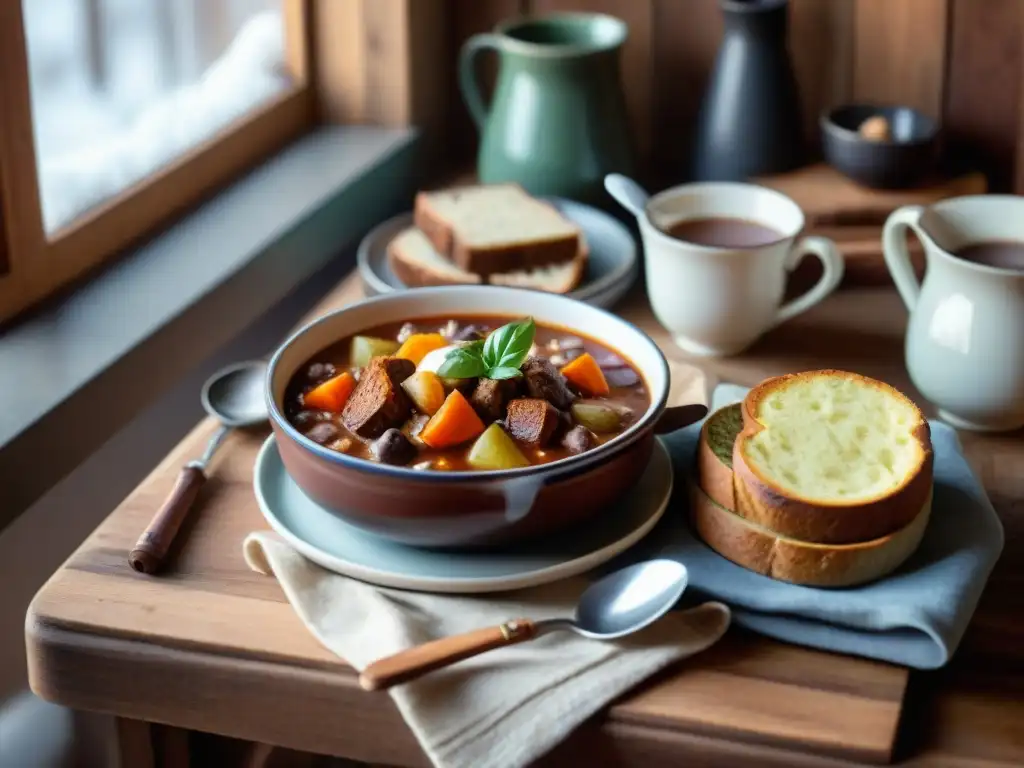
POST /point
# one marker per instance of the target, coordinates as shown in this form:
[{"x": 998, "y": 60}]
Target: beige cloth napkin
[{"x": 502, "y": 709}]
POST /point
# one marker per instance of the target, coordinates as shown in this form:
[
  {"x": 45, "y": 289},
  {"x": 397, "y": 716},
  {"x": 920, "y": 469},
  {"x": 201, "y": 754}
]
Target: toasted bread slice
[
  {"x": 416, "y": 263},
  {"x": 494, "y": 229},
  {"x": 816, "y": 565},
  {"x": 714, "y": 454},
  {"x": 831, "y": 457}
]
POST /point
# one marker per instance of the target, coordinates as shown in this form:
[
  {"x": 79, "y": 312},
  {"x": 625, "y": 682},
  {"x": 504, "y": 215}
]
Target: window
[
  {"x": 117, "y": 116},
  {"x": 121, "y": 88}
]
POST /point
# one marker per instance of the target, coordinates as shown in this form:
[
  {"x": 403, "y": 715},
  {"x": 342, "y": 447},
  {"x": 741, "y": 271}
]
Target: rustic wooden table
[{"x": 209, "y": 646}]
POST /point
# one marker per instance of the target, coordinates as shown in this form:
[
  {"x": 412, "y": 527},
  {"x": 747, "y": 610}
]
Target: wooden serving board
[
  {"x": 853, "y": 215},
  {"x": 210, "y": 645}
]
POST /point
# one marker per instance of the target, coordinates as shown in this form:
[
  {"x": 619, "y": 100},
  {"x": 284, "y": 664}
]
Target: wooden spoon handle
[
  {"x": 151, "y": 548},
  {"x": 417, "y": 661}
]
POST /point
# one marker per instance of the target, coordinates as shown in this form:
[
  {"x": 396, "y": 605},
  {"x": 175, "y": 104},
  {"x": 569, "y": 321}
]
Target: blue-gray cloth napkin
[{"x": 915, "y": 617}]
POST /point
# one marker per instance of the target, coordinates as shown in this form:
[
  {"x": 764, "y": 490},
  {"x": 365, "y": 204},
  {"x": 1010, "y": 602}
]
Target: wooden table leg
[{"x": 135, "y": 744}]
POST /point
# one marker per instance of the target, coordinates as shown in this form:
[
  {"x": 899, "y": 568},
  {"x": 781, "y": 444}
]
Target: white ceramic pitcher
[{"x": 965, "y": 339}]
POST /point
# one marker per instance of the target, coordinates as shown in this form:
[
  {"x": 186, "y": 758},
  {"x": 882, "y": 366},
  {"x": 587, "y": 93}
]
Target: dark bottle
[{"x": 749, "y": 123}]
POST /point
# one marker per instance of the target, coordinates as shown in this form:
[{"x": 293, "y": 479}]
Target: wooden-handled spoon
[
  {"x": 619, "y": 604},
  {"x": 235, "y": 397}
]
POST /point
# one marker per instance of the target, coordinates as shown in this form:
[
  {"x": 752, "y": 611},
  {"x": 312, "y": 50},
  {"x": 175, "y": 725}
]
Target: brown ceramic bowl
[{"x": 459, "y": 509}]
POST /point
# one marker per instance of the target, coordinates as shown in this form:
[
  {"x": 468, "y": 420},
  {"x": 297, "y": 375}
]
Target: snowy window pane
[{"x": 123, "y": 87}]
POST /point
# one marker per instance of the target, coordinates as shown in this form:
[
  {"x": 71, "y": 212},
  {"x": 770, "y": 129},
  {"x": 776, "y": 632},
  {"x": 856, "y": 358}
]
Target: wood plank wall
[{"x": 958, "y": 60}]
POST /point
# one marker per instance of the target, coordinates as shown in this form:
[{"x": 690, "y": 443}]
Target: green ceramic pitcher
[{"x": 557, "y": 120}]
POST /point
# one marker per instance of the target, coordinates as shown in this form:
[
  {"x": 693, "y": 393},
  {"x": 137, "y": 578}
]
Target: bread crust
[
  {"x": 714, "y": 475},
  {"x": 798, "y": 562},
  {"x": 415, "y": 276},
  {"x": 759, "y": 500},
  {"x": 512, "y": 257}
]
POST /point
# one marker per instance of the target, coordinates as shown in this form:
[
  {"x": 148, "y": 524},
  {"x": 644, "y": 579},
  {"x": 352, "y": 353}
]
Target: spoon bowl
[
  {"x": 628, "y": 600},
  {"x": 235, "y": 395}
]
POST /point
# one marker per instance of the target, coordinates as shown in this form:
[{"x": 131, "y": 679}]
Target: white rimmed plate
[
  {"x": 612, "y": 266},
  {"x": 337, "y": 546}
]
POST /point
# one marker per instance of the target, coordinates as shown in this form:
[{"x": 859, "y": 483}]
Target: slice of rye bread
[
  {"x": 831, "y": 457},
  {"x": 815, "y": 565},
  {"x": 496, "y": 228},
  {"x": 414, "y": 260}
]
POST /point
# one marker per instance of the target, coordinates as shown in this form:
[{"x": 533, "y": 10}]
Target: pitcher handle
[
  {"x": 467, "y": 74},
  {"x": 832, "y": 263},
  {"x": 894, "y": 248}
]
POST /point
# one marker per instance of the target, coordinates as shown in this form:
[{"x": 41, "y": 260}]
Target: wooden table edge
[{"x": 52, "y": 647}]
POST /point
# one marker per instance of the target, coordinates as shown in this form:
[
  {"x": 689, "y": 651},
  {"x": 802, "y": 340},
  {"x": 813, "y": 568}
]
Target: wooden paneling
[
  {"x": 468, "y": 18},
  {"x": 983, "y": 90},
  {"x": 900, "y": 52},
  {"x": 821, "y": 46},
  {"x": 686, "y": 39},
  {"x": 637, "y": 59}
]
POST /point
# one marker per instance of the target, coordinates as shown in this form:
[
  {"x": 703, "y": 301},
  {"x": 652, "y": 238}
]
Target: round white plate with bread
[{"x": 505, "y": 238}]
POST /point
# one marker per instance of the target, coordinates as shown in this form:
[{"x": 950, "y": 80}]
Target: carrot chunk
[
  {"x": 418, "y": 345},
  {"x": 332, "y": 394},
  {"x": 455, "y": 422},
  {"x": 586, "y": 375}
]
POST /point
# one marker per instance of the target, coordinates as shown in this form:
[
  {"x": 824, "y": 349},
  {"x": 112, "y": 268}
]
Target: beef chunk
[
  {"x": 393, "y": 448},
  {"x": 532, "y": 421},
  {"x": 378, "y": 402},
  {"x": 468, "y": 333},
  {"x": 579, "y": 439},
  {"x": 491, "y": 396},
  {"x": 544, "y": 381},
  {"x": 323, "y": 432},
  {"x": 621, "y": 377},
  {"x": 611, "y": 360},
  {"x": 399, "y": 369}
]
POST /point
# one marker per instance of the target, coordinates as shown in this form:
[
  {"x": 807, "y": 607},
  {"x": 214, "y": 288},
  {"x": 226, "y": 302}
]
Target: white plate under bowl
[
  {"x": 612, "y": 266},
  {"x": 337, "y": 546}
]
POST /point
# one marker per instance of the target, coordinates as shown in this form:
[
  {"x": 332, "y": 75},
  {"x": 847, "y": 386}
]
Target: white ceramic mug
[
  {"x": 719, "y": 301},
  {"x": 965, "y": 338}
]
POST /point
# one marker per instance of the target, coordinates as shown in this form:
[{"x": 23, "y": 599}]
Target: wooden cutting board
[
  {"x": 104, "y": 637},
  {"x": 853, "y": 215}
]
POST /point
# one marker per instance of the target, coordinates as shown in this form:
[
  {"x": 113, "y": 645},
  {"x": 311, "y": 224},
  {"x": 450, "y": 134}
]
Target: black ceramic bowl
[{"x": 904, "y": 160}]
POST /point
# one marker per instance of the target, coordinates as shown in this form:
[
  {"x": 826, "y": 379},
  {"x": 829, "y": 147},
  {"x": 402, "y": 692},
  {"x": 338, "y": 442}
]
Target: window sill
[{"x": 76, "y": 371}]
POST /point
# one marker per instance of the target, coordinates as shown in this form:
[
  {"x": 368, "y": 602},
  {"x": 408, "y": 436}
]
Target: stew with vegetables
[{"x": 466, "y": 393}]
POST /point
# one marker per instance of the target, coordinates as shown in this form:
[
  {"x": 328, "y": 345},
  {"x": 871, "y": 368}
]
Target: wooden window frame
[{"x": 352, "y": 61}]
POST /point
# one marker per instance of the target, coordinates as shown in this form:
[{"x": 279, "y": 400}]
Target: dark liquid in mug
[
  {"x": 1005, "y": 254},
  {"x": 723, "y": 232}
]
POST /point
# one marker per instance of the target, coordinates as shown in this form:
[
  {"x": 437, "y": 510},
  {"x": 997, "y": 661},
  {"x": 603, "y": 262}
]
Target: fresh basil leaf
[
  {"x": 462, "y": 364},
  {"x": 508, "y": 346},
  {"x": 503, "y": 372},
  {"x": 494, "y": 346}
]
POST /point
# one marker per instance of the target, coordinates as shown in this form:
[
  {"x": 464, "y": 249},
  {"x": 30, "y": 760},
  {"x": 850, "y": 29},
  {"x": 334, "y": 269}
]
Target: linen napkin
[
  {"x": 917, "y": 616},
  {"x": 504, "y": 708}
]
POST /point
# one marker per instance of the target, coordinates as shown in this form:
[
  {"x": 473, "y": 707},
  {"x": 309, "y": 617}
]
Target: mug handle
[
  {"x": 467, "y": 74},
  {"x": 830, "y": 259},
  {"x": 894, "y": 248}
]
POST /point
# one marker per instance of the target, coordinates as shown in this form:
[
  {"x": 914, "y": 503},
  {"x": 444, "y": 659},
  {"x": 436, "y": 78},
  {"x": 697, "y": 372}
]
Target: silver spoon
[
  {"x": 619, "y": 604},
  {"x": 234, "y": 396}
]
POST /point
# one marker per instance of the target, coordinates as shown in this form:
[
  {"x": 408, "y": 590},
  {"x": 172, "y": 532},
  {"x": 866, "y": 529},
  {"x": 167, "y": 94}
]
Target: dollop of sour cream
[{"x": 432, "y": 360}]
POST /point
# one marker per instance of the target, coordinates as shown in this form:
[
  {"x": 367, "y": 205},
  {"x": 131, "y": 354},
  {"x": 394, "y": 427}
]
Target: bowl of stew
[{"x": 464, "y": 416}]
